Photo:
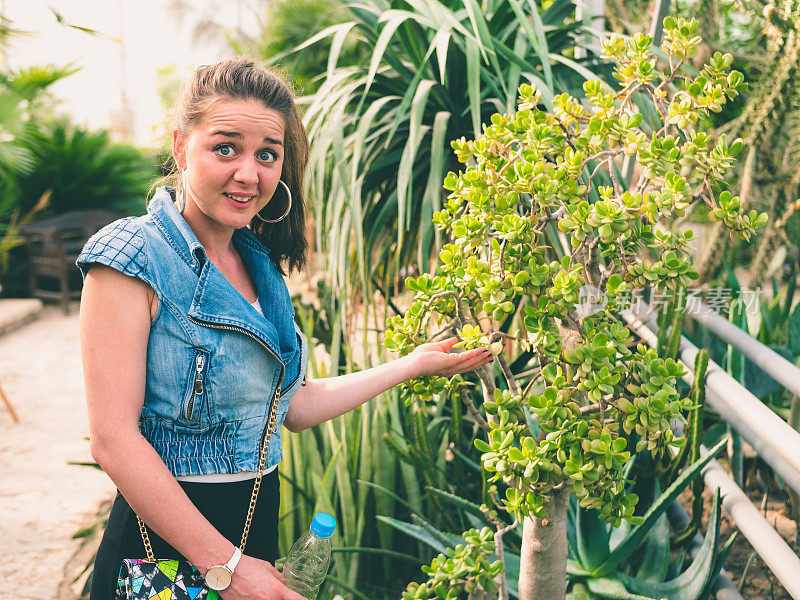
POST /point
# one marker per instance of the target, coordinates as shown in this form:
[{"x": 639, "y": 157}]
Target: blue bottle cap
[{"x": 323, "y": 525}]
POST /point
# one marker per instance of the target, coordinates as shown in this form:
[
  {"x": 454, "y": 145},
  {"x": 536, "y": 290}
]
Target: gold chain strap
[
  {"x": 146, "y": 539},
  {"x": 271, "y": 429},
  {"x": 262, "y": 459}
]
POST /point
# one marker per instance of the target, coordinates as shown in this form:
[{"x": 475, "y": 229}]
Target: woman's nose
[{"x": 246, "y": 171}]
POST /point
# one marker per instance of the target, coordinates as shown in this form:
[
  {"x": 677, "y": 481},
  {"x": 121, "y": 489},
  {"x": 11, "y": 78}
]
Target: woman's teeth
[{"x": 240, "y": 199}]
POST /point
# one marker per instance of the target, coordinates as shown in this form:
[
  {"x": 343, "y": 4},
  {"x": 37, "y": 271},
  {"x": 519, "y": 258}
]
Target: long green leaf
[
  {"x": 339, "y": 38},
  {"x": 347, "y": 506},
  {"x": 690, "y": 584},
  {"x": 474, "y": 86},
  {"x": 388, "y": 492},
  {"x": 333, "y": 30},
  {"x": 382, "y": 551},
  {"x": 629, "y": 544},
  {"x": 655, "y": 555},
  {"x": 542, "y": 47},
  {"x": 479, "y": 27},
  {"x": 719, "y": 564},
  {"x": 431, "y": 202},
  {"x": 391, "y": 21},
  {"x": 593, "y": 538},
  {"x": 415, "y": 531},
  {"x": 408, "y": 98},
  {"x": 416, "y": 132},
  {"x": 441, "y": 42},
  {"x": 520, "y": 48},
  {"x": 448, "y": 539},
  {"x": 575, "y": 66},
  {"x": 438, "y": 13},
  {"x": 612, "y": 588},
  {"x": 459, "y": 502},
  {"x": 487, "y": 42},
  {"x": 535, "y": 34}
]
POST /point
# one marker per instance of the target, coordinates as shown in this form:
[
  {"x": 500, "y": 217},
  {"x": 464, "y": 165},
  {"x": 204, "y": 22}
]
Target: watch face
[{"x": 218, "y": 578}]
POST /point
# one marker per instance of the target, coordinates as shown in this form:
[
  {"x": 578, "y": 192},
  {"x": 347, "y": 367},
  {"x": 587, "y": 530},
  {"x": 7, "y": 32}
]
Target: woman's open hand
[
  {"x": 436, "y": 358},
  {"x": 256, "y": 579}
]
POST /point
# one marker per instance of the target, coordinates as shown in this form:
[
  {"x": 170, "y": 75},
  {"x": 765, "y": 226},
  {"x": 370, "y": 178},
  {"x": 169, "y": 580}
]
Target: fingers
[
  {"x": 290, "y": 595},
  {"x": 483, "y": 358},
  {"x": 447, "y": 345},
  {"x": 470, "y": 360},
  {"x": 277, "y": 574}
]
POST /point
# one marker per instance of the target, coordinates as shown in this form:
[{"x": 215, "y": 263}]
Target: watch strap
[{"x": 231, "y": 564}]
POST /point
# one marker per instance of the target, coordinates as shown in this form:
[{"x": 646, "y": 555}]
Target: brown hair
[{"x": 241, "y": 78}]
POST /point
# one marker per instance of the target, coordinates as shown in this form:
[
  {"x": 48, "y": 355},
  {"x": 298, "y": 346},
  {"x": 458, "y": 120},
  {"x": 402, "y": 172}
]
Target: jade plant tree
[{"x": 570, "y": 396}]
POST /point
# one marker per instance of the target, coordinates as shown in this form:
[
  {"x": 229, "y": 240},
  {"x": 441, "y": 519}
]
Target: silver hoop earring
[
  {"x": 182, "y": 193},
  {"x": 288, "y": 206}
]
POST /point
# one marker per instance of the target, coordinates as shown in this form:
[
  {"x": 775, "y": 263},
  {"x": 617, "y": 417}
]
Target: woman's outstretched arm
[
  {"x": 323, "y": 399},
  {"x": 114, "y": 330}
]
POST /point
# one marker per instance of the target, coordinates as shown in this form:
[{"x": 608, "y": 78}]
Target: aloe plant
[
  {"x": 630, "y": 562},
  {"x": 585, "y": 400}
]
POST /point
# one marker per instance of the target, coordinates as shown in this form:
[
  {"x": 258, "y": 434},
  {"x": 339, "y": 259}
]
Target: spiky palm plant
[
  {"x": 287, "y": 26},
  {"x": 21, "y": 94},
  {"x": 85, "y": 169},
  {"x": 381, "y": 130}
]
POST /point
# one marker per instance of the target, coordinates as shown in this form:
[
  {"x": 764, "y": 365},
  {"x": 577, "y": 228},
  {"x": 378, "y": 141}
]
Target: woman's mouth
[{"x": 237, "y": 198}]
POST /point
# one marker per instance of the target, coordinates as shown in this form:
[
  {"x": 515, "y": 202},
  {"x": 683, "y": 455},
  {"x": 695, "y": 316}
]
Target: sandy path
[{"x": 43, "y": 500}]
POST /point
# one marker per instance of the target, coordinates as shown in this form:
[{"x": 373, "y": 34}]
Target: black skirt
[{"x": 223, "y": 504}]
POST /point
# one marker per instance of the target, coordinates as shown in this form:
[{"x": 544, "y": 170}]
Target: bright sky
[{"x": 154, "y": 37}]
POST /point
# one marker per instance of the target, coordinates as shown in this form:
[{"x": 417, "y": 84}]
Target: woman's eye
[
  {"x": 224, "y": 150},
  {"x": 266, "y": 155}
]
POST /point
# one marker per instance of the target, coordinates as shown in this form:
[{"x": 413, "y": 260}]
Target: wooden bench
[{"x": 53, "y": 246}]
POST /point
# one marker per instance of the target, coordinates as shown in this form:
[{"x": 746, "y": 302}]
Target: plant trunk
[{"x": 543, "y": 561}]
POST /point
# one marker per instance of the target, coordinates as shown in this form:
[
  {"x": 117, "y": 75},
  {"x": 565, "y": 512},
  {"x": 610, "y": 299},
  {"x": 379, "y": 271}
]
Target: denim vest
[{"x": 214, "y": 363}]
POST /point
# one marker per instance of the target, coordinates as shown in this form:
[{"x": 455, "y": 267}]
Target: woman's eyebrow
[
  {"x": 238, "y": 136},
  {"x": 230, "y": 134}
]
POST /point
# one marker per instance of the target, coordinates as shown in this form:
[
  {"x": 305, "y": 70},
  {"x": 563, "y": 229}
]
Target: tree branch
[
  {"x": 472, "y": 409},
  {"x": 428, "y": 305},
  {"x": 510, "y": 379},
  {"x": 452, "y": 323}
]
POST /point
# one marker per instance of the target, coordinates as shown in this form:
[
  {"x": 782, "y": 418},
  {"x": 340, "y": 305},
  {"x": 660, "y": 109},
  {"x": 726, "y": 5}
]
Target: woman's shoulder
[{"x": 119, "y": 245}]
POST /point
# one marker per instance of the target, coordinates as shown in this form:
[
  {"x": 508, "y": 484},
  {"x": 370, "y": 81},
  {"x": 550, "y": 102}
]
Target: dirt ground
[
  {"x": 44, "y": 500},
  {"x": 745, "y": 568}
]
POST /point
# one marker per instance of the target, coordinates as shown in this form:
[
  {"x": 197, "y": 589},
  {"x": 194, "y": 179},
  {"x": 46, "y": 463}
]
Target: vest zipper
[
  {"x": 278, "y": 389},
  {"x": 197, "y": 388}
]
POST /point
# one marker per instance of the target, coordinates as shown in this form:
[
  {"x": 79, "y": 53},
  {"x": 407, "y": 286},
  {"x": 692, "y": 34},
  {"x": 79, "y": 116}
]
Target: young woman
[{"x": 188, "y": 338}]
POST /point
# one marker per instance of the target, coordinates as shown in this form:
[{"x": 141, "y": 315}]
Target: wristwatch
[{"x": 219, "y": 577}]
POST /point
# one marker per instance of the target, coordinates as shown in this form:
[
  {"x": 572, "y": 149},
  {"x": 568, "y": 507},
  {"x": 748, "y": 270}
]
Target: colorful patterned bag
[
  {"x": 152, "y": 579},
  {"x": 161, "y": 580}
]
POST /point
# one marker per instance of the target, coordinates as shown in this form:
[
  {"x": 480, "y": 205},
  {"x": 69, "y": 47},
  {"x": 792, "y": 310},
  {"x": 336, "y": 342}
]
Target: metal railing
[{"x": 771, "y": 437}]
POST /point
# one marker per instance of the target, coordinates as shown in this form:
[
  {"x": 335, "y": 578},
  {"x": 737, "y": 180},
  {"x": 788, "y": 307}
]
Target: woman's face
[{"x": 232, "y": 162}]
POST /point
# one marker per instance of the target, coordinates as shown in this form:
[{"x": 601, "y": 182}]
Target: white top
[{"x": 228, "y": 477}]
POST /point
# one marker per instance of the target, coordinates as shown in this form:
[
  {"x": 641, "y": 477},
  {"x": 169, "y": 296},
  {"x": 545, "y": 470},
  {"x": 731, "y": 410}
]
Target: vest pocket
[{"x": 196, "y": 389}]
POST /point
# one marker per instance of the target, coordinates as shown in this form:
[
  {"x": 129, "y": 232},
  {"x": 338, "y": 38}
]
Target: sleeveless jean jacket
[{"x": 214, "y": 364}]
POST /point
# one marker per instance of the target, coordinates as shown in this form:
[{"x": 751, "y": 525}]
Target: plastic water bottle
[{"x": 307, "y": 563}]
